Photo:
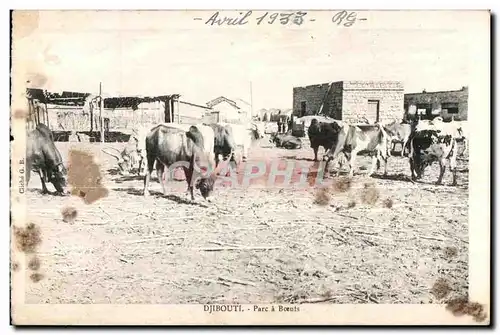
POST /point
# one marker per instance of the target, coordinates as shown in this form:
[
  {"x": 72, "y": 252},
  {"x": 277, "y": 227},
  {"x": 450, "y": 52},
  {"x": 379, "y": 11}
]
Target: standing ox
[
  {"x": 360, "y": 139},
  {"x": 43, "y": 157},
  {"x": 224, "y": 142},
  {"x": 398, "y": 133},
  {"x": 431, "y": 144},
  {"x": 134, "y": 154},
  {"x": 167, "y": 145},
  {"x": 324, "y": 134},
  {"x": 245, "y": 134}
]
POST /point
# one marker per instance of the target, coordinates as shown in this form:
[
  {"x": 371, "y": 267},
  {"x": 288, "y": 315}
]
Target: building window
[
  {"x": 302, "y": 108},
  {"x": 424, "y": 110},
  {"x": 449, "y": 107}
]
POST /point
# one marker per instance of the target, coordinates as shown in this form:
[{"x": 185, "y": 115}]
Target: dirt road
[{"x": 385, "y": 243}]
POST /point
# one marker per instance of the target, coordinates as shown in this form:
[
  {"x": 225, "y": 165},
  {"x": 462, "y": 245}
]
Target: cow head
[
  {"x": 57, "y": 177},
  {"x": 206, "y": 186},
  {"x": 125, "y": 159},
  {"x": 258, "y": 130}
]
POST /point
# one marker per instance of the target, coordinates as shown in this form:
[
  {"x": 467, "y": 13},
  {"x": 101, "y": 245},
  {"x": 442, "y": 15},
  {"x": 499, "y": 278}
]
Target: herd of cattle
[{"x": 164, "y": 145}]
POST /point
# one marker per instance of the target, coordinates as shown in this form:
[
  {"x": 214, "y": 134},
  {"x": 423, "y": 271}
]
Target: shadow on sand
[
  {"x": 175, "y": 198},
  {"x": 299, "y": 158},
  {"x": 394, "y": 177}
]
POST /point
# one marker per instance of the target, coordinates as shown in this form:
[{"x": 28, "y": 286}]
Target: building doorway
[{"x": 373, "y": 111}]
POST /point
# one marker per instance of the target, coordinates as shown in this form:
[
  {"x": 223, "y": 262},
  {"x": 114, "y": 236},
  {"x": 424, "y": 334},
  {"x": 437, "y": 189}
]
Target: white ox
[{"x": 245, "y": 135}]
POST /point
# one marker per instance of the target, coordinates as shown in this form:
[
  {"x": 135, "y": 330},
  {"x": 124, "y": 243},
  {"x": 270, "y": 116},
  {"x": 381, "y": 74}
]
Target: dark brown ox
[
  {"x": 324, "y": 134},
  {"x": 43, "y": 157},
  {"x": 171, "y": 147},
  {"x": 360, "y": 139}
]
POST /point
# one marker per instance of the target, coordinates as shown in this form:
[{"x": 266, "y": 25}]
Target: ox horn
[{"x": 108, "y": 153}]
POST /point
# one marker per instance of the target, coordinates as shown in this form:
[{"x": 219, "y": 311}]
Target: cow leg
[
  {"x": 28, "y": 172},
  {"x": 315, "y": 153},
  {"x": 442, "y": 169},
  {"x": 403, "y": 149},
  {"x": 353, "y": 163},
  {"x": 385, "y": 165},
  {"x": 375, "y": 165},
  {"x": 189, "y": 176},
  {"x": 42, "y": 179},
  {"x": 453, "y": 168},
  {"x": 160, "y": 170},
  {"x": 217, "y": 159},
  {"x": 245, "y": 154},
  {"x": 147, "y": 178}
]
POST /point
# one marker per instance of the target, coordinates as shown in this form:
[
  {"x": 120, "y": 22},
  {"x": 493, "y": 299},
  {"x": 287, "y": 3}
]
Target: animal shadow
[
  {"x": 113, "y": 171},
  {"x": 299, "y": 158},
  {"x": 123, "y": 179},
  {"x": 132, "y": 191},
  {"x": 176, "y": 198},
  {"x": 180, "y": 200},
  {"x": 394, "y": 177},
  {"x": 52, "y": 193}
]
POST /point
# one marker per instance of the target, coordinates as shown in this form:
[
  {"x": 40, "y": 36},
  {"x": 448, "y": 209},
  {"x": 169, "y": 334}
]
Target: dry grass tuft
[
  {"x": 342, "y": 184},
  {"x": 450, "y": 252},
  {"x": 351, "y": 204},
  {"x": 327, "y": 294},
  {"x": 36, "y": 277},
  {"x": 69, "y": 214},
  {"x": 388, "y": 203},
  {"x": 34, "y": 263},
  {"x": 441, "y": 288},
  {"x": 462, "y": 306},
  {"x": 322, "y": 197},
  {"x": 27, "y": 239},
  {"x": 369, "y": 194}
]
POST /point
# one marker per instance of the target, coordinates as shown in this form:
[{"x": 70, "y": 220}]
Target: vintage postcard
[{"x": 250, "y": 167}]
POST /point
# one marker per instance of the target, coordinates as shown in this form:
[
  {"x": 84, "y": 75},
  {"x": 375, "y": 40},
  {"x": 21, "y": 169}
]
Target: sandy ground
[{"x": 255, "y": 244}]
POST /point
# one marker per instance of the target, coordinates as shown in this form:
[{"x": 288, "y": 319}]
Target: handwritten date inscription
[
  {"x": 344, "y": 18},
  {"x": 244, "y": 18}
]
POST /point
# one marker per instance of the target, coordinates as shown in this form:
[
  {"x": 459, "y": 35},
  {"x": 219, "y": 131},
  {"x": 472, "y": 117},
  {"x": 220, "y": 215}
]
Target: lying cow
[
  {"x": 43, "y": 157},
  {"x": 431, "y": 145},
  {"x": 167, "y": 145},
  {"x": 322, "y": 134},
  {"x": 285, "y": 141},
  {"x": 398, "y": 133},
  {"x": 360, "y": 139}
]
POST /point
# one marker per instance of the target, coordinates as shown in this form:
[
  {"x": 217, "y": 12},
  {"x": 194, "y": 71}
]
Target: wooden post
[
  {"x": 171, "y": 109},
  {"x": 101, "y": 107},
  {"x": 47, "y": 113}
]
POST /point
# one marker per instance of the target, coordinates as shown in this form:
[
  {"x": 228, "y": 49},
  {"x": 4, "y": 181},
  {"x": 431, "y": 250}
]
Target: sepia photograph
[{"x": 250, "y": 167}]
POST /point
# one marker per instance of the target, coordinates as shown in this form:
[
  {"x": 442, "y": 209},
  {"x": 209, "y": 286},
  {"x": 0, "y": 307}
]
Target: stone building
[
  {"x": 447, "y": 104},
  {"x": 352, "y": 101}
]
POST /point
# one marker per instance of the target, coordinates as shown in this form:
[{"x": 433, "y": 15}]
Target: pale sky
[{"x": 156, "y": 53}]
